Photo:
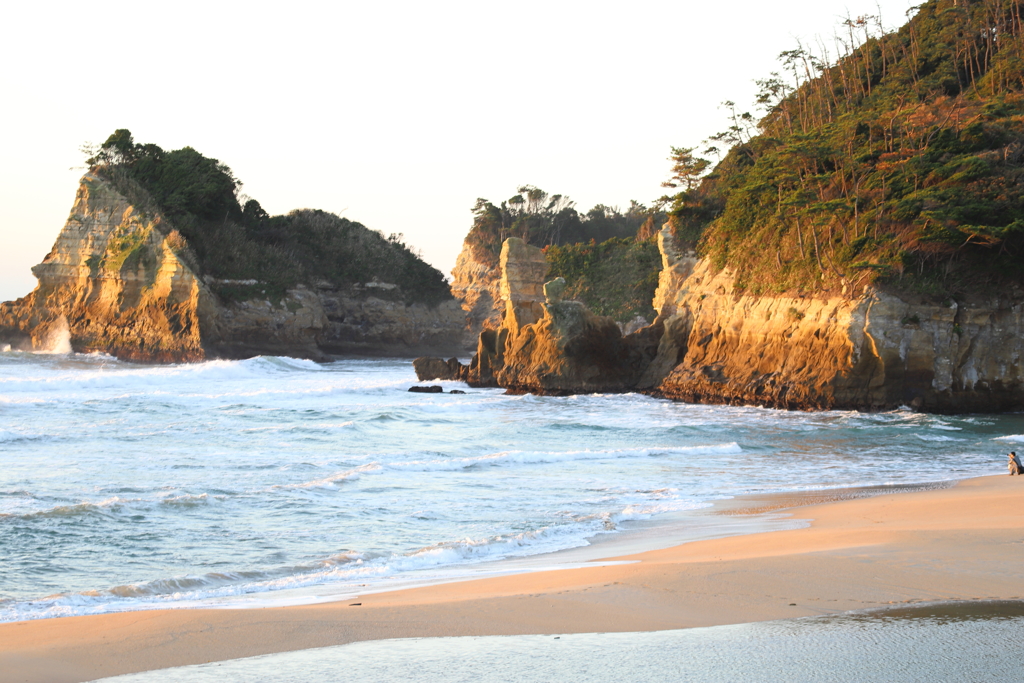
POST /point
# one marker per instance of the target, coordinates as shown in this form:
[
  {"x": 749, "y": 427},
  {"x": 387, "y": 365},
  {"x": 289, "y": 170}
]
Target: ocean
[{"x": 282, "y": 481}]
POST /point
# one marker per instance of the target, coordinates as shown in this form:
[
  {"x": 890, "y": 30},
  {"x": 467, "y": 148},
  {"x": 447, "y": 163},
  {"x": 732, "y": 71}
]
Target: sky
[{"x": 398, "y": 115}]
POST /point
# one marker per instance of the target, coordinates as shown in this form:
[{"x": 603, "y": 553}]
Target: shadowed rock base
[{"x": 430, "y": 367}]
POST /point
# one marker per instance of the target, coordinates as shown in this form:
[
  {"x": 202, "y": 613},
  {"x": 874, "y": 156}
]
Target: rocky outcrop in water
[
  {"x": 546, "y": 345},
  {"x": 111, "y": 283},
  {"x": 429, "y": 367},
  {"x": 119, "y": 280}
]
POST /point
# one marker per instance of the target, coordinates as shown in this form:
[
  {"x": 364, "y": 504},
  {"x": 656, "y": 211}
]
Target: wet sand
[{"x": 960, "y": 543}]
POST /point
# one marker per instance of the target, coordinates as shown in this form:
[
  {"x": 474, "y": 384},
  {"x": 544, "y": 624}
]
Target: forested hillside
[
  {"x": 897, "y": 163},
  {"x": 227, "y": 240}
]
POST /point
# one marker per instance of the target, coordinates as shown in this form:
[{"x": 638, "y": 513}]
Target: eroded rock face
[
  {"x": 358, "y": 323},
  {"x": 545, "y": 345},
  {"x": 476, "y": 286},
  {"x": 116, "y": 281},
  {"x": 111, "y": 283},
  {"x": 523, "y": 273},
  {"x": 428, "y": 368},
  {"x": 572, "y": 351},
  {"x": 676, "y": 266},
  {"x": 873, "y": 351}
]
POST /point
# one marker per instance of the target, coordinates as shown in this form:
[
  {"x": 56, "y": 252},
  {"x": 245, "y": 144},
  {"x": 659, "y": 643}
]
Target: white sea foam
[
  {"x": 246, "y": 378},
  {"x": 347, "y": 568},
  {"x": 236, "y": 478},
  {"x": 1016, "y": 438},
  {"x": 538, "y": 457},
  {"x": 187, "y": 500},
  {"x": 58, "y": 339},
  {"x": 333, "y": 480},
  {"x": 29, "y": 507},
  {"x": 104, "y": 506}
]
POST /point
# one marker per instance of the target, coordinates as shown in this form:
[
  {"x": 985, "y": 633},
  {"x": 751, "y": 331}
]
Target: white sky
[{"x": 395, "y": 114}]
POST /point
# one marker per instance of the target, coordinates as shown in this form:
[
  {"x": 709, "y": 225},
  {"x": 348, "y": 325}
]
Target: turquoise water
[
  {"x": 130, "y": 487},
  {"x": 980, "y": 642}
]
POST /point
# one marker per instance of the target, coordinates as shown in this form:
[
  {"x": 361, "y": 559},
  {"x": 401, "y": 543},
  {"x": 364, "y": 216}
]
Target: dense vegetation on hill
[
  {"x": 541, "y": 219},
  {"x": 227, "y": 240},
  {"x": 607, "y": 257},
  {"x": 616, "y": 277},
  {"x": 901, "y": 162}
]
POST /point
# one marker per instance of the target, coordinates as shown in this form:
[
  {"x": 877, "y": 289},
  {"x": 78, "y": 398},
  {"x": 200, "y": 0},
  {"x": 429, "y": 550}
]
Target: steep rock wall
[
  {"x": 366, "y": 322},
  {"x": 115, "y": 281},
  {"x": 872, "y": 350},
  {"x": 545, "y": 345},
  {"x": 477, "y": 288},
  {"x": 111, "y": 283}
]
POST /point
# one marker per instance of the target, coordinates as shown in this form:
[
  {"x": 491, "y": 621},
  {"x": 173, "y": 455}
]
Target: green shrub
[{"x": 616, "y": 278}]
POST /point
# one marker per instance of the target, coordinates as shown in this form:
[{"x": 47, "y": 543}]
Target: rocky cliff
[
  {"x": 612, "y": 278},
  {"x": 477, "y": 286},
  {"x": 544, "y": 344},
  {"x": 861, "y": 350},
  {"x": 120, "y": 280},
  {"x": 867, "y": 350}
]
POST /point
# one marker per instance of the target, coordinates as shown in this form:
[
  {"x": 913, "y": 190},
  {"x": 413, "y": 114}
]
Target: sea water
[{"x": 127, "y": 486}]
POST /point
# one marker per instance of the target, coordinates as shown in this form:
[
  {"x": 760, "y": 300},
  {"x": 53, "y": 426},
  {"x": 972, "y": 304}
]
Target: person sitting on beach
[{"x": 1014, "y": 464}]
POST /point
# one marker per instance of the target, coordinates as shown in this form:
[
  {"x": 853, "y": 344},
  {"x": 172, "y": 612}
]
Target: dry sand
[{"x": 962, "y": 543}]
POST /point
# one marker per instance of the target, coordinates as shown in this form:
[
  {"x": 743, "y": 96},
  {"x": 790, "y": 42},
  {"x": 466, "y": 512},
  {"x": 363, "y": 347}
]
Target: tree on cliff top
[
  {"x": 607, "y": 256},
  {"x": 199, "y": 197},
  {"x": 900, "y": 162},
  {"x": 543, "y": 219}
]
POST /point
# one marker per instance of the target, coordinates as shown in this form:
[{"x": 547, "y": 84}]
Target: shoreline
[
  {"x": 939, "y": 544},
  {"x": 738, "y": 515}
]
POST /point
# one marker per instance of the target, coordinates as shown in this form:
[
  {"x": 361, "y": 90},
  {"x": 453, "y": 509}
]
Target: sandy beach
[{"x": 960, "y": 543}]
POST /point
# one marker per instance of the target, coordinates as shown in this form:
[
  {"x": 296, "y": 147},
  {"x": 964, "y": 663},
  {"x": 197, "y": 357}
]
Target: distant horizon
[{"x": 399, "y": 120}]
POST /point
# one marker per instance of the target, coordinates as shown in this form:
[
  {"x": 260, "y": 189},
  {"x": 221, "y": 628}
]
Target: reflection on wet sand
[{"x": 943, "y": 641}]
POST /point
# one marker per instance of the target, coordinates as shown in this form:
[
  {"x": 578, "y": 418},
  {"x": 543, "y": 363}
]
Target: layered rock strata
[
  {"x": 113, "y": 283},
  {"x": 869, "y": 351},
  {"x": 546, "y": 345},
  {"x": 121, "y": 281},
  {"x": 477, "y": 286}
]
